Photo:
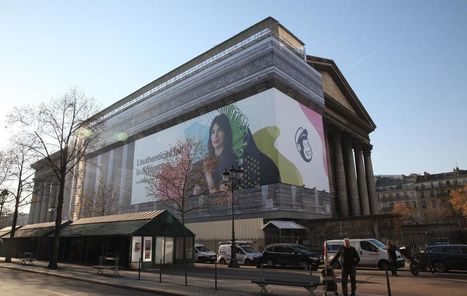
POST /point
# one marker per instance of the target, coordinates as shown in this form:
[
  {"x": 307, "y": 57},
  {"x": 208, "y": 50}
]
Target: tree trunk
[
  {"x": 11, "y": 242},
  {"x": 58, "y": 220}
]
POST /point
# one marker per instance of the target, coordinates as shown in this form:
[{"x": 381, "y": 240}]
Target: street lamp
[{"x": 232, "y": 177}]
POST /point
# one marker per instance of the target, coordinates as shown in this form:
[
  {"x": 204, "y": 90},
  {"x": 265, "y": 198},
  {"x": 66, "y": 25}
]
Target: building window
[
  {"x": 414, "y": 204},
  {"x": 448, "y": 183},
  {"x": 423, "y": 204},
  {"x": 433, "y": 203},
  {"x": 432, "y": 193},
  {"x": 422, "y": 194},
  {"x": 440, "y": 184}
]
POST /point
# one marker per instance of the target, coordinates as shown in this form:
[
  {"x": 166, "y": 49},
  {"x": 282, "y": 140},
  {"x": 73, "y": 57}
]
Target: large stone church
[{"x": 290, "y": 119}]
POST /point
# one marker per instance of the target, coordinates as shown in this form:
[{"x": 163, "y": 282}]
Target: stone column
[
  {"x": 32, "y": 209},
  {"x": 361, "y": 178},
  {"x": 37, "y": 207},
  {"x": 45, "y": 202},
  {"x": 351, "y": 177},
  {"x": 341, "y": 184},
  {"x": 330, "y": 164},
  {"x": 370, "y": 179},
  {"x": 53, "y": 201}
]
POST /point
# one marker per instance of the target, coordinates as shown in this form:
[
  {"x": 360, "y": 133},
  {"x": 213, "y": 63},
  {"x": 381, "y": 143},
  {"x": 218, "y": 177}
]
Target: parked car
[
  {"x": 372, "y": 252},
  {"x": 203, "y": 254},
  {"x": 290, "y": 255},
  {"x": 246, "y": 254},
  {"x": 446, "y": 257}
]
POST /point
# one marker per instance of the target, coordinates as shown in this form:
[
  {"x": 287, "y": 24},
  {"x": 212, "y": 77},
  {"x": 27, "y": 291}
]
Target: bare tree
[
  {"x": 4, "y": 199},
  {"x": 21, "y": 177},
  {"x": 63, "y": 129},
  {"x": 179, "y": 177},
  {"x": 4, "y": 194},
  {"x": 101, "y": 202}
]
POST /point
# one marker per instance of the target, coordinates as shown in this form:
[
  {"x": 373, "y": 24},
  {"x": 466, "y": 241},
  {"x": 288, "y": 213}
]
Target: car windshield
[
  {"x": 202, "y": 249},
  {"x": 248, "y": 249},
  {"x": 378, "y": 244}
]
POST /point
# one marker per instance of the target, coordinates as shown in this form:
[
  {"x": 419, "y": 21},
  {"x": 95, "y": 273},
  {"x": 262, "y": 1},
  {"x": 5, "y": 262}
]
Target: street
[
  {"x": 33, "y": 280},
  {"x": 369, "y": 281},
  {"x": 19, "y": 283}
]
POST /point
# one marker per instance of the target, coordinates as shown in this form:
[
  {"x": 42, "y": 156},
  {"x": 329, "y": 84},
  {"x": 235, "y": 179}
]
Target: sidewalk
[{"x": 172, "y": 284}]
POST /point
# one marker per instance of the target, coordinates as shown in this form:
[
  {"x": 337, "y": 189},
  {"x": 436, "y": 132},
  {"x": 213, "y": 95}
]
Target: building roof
[
  {"x": 36, "y": 230},
  {"x": 7, "y": 230},
  {"x": 160, "y": 223},
  {"x": 283, "y": 225},
  {"x": 119, "y": 218}
]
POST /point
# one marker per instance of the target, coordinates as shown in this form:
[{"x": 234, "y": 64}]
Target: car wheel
[
  {"x": 248, "y": 262},
  {"x": 439, "y": 266},
  {"x": 269, "y": 263},
  {"x": 304, "y": 265},
  {"x": 383, "y": 265},
  {"x": 222, "y": 261}
]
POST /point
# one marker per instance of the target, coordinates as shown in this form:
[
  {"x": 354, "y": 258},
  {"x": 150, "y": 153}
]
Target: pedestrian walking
[
  {"x": 392, "y": 256},
  {"x": 349, "y": 258}
]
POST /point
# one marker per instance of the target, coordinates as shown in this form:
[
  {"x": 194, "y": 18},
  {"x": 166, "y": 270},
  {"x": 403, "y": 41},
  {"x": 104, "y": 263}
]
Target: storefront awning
[{"x": 282, "y": 225}]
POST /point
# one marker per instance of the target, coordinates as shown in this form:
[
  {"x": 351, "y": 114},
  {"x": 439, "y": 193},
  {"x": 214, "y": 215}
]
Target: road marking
[{"x": 56, "y": 293}]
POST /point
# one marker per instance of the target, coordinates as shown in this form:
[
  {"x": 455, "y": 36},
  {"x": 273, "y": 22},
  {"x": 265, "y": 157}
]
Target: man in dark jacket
[
  {"x": 349, "y": 258},
  {"x": 392, "y": 256}
]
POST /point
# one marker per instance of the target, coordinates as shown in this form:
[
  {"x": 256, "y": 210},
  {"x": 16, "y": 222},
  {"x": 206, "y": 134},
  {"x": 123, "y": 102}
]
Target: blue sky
[{"x": 405, "y": 60}]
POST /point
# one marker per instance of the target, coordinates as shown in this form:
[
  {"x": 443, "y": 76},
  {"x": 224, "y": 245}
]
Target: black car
[
  {"x": 290, "y": 255},
  {"x": 446, "y": 257}
]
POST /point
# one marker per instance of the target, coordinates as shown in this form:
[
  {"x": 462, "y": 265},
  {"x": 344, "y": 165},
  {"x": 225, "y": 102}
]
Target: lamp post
[{"x": 232, "y": 177}]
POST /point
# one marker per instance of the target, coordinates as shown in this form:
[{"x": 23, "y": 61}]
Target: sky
[{"x": 405, "y": 60}]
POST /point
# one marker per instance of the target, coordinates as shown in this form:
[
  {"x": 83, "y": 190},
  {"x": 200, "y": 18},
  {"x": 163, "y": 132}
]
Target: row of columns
[
  {"x": 354, "y": 181},
  {"x": 44, "y": 202}
]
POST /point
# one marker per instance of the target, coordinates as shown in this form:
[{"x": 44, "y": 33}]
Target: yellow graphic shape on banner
[{"x": 264, "y": 140}]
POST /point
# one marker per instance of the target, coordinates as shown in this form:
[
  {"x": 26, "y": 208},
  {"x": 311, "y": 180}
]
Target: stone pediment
[
  {"x": 339, "y": 96},
  {"x": 331, "y": 88}
]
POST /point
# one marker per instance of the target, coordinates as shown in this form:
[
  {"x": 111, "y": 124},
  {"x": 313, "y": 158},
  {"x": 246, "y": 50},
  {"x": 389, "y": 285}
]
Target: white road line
[{"x": 56, "y": 293}]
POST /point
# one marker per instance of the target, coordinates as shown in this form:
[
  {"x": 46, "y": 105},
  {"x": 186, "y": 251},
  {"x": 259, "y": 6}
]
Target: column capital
[
  {"x": 358, "y": 145},
  {"x": 367, "y": 149},
  {"x": 347, "y": 139}
]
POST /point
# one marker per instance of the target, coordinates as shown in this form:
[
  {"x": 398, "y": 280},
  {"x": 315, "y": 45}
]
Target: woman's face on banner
[{"x": 217, "y": 137}]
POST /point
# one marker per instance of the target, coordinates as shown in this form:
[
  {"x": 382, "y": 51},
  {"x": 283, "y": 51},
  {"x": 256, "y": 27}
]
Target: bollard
[
  {"x": 160, "y": 272},
  {"x": 139, "y": 269},
  {"x": 215, "y": 275},
  {"x": 387, "y": 280},
  {"x": 186, "y": 279}
]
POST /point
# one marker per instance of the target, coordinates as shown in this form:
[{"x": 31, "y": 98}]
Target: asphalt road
[
  {"x": 370, "y": 281},
  {"x": 20, "y": 283}
]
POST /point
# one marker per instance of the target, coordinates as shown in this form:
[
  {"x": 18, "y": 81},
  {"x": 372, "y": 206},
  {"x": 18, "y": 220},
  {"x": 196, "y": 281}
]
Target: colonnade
[
  {"x": 44, "y": 202},
  {"x": 353, "y": 179}
]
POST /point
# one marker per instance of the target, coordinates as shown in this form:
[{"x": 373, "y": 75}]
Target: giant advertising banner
[{"x": 275, "y": 138}]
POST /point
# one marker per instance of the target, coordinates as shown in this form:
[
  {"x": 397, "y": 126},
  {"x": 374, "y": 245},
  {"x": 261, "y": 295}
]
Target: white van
[
  {"x": 203, "y": 254},
  {"x": 372, "y": 252},
  {"x": 246, "y": 254}
]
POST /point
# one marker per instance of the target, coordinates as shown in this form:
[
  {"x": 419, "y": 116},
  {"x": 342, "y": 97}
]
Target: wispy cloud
[{"x": 359, "y": 61}]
